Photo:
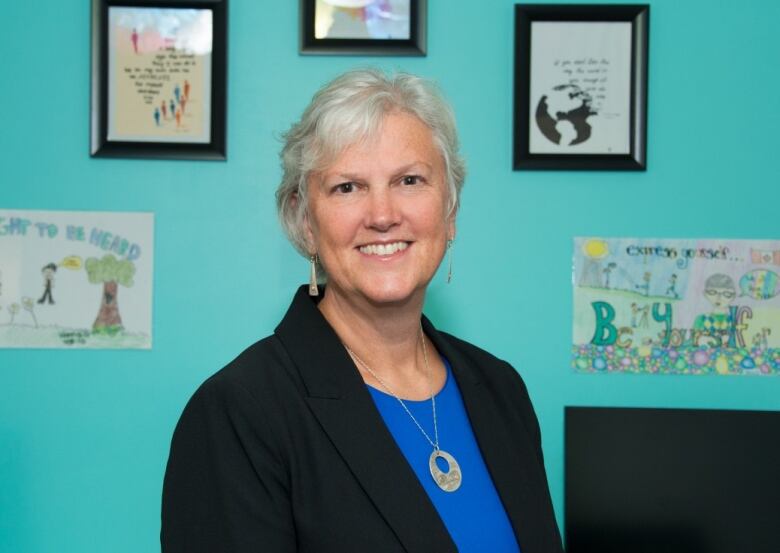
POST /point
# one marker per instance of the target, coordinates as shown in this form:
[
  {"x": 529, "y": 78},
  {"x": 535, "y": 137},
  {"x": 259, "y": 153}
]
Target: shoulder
[
  {"x": 504, "y": 386},
  {"x": 490, "y": 368},
  {"x": 259, "y": 382},
  {"x": 244, "y": 410},
  {"x": 262, "y": 370}
]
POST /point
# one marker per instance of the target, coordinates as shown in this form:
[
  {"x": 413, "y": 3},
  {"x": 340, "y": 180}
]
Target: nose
[{"x": 382, "y": 212}]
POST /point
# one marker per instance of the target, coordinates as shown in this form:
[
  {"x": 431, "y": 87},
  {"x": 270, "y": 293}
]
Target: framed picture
[
  {"x": 363, "y": 27},
  {"x": 159, "y": 78},
  {"x": 580, "y": 98}
]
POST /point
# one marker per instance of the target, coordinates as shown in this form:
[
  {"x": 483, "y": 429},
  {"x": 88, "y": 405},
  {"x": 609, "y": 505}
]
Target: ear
[
  {"x": 308, "y": 232},
  {"x": 451, "y": 226}
]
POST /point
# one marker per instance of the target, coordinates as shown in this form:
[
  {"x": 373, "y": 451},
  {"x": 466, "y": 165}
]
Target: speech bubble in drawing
[
  {"x": 760, "y": 284},
  {"x": 72, "y": 262}
]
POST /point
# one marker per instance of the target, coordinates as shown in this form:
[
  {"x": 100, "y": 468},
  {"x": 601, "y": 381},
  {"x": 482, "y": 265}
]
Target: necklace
[{"x": 450, "y": 480}]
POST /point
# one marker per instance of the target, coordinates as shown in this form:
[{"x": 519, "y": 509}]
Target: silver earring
[
  {"x": 313, "y": 289},
  {"x": 449, "y": 261}
]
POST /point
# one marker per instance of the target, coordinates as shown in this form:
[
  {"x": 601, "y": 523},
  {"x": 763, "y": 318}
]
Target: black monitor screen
[{"x": 672, "y": 481}]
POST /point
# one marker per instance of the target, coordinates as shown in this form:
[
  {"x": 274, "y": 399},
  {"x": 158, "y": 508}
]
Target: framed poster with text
[
  {"x": 159, "y": 79},
  {"x": 580, "y": 99}
]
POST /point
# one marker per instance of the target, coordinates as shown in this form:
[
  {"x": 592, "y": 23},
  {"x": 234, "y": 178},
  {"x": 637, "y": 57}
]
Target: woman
[{"x": 358, "y": 426}]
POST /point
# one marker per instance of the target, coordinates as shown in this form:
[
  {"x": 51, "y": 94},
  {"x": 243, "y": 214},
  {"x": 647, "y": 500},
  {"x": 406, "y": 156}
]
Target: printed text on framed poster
[
  {"x": 580, "y": 81},
  {"x": 158, "y": 79}
]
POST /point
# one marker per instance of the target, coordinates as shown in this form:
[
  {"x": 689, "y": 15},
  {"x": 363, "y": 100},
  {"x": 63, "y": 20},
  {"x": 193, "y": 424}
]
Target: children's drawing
[
  {"x": 676, "y": 306},
  {"x": 159, "y": 63},
  {"x": 48, "y": 282},
  {"x": 109, "y": 272},
  {"x": 73, "y": 279}
]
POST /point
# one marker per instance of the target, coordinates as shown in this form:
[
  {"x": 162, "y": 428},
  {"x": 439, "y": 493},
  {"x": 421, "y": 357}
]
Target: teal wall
[{"x": 84, "y": 435}]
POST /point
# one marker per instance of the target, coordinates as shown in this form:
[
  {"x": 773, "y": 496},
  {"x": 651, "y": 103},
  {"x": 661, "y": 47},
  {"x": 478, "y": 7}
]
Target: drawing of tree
[{"x": 111, "y": 272}]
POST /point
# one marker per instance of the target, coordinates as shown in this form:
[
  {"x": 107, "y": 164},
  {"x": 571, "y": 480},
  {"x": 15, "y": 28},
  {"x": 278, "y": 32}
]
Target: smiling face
[{"x": 378, "y": 216}]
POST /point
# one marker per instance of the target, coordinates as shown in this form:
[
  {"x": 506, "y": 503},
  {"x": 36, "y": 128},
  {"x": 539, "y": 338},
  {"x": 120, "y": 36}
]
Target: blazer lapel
[
  {"x": 512, "y": 463},
  {"x": 343, "y": 406}
]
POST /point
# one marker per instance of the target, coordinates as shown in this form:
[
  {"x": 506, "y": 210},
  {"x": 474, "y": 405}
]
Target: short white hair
[{"x": 348, "y": 109}]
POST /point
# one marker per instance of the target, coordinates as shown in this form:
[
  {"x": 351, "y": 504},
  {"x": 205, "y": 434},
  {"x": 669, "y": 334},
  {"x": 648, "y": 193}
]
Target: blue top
[{"x": 473, "y": 514}]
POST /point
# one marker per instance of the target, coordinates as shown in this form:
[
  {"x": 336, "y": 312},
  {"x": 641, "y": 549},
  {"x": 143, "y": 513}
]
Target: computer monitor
[{"x": 672, "y": 481}]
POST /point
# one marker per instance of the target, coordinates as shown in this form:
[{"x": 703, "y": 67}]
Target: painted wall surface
[{"x": 84, "y": 435}]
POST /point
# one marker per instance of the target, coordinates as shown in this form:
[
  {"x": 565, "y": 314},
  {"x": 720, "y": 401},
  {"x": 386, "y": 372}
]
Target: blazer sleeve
[
  {"x": 226, "y": 488},
  {"x": 530, "y": 421}
]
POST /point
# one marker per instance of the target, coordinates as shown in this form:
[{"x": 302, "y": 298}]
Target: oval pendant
[{"x": 448, "y": 481}]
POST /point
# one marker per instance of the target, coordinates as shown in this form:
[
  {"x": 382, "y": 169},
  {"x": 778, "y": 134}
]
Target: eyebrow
[
  {"x": 397, "y": 172},
  {"x": 405, "y": 169}
]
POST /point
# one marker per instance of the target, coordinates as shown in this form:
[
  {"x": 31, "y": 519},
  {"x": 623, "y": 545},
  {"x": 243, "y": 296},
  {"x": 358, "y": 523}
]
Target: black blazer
[{"x": 284, "y": 450}]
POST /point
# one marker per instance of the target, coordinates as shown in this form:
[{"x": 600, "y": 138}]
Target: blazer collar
[
  {"x": 510, "y": 459},
  {"x": 343, "y": 406},
  {"x": 339, "y": 399}
]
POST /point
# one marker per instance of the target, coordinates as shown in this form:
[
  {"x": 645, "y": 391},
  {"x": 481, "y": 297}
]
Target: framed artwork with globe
[{"x": 580, "y": 98}]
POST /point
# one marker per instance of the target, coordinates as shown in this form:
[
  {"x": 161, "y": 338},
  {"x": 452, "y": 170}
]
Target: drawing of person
[
  {"x": 183, "y": 103},
  {"x": 186, "y": 88},
  {"x": 164, "y": 109},
  {"x": 48, "y": 282},
  {"x": 177, "y": 93},
  {"x": 607, "y": 271},
  {"x": 671, "y": 291},
  {"x": 645, "y": 287},
  {"x": 173, "y": 109},
  {"x": 134, "y": 38},
  {"x": 178, "y": 118},
  {"x": 643, "y": 320},
  {"x": 720, "y": 291},
  {"x": 634, "y": 313},
  {"x": 157, "y": 116}
]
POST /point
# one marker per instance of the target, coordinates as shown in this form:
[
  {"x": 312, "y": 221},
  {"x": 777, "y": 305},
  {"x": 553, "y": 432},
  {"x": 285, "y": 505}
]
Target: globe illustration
[{"x": 562, "y": 115}]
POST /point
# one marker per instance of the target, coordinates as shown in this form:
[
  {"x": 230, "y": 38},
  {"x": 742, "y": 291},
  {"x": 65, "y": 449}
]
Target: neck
[
  {"x": 387, "y": 339},
  {"x": 393, "y": 327}
]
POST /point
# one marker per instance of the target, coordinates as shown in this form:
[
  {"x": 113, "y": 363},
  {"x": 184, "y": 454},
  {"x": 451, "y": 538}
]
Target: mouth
[{"x": 384, "y": 249}]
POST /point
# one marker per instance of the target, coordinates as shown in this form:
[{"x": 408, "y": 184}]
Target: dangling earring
[
  {"x": 449, "y": 261},
  {"x": 313, "y": 289}
]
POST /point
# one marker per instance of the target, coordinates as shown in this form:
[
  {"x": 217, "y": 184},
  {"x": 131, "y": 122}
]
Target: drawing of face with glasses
[{"x": 720, "y": 291}]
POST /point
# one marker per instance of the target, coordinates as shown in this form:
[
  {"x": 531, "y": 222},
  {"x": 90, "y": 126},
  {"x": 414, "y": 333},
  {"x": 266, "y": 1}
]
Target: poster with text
[
  {"x": 71, "y": 279},
  {"x": 159, "y": 74},
  {"x": 672, "y": 306},
  {"x": 580, "y": 87}
]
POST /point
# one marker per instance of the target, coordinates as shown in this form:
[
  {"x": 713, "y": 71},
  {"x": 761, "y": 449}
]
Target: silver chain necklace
[{"x": 448, "y": 481}]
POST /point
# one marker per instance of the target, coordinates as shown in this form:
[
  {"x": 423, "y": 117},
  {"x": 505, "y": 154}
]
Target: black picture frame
[
  {"x": 533, "y": 153},
  {"x": 415, "y": 45},
  {"x": 212, "y": 144}
]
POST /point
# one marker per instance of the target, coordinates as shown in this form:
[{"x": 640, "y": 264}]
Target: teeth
[{"x": 383, "y": 249}]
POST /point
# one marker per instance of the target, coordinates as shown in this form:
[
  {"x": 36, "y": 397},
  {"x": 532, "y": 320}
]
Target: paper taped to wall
[
  {"x": 72, "y": 279},
  {"x": 676, "y": 306}
]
